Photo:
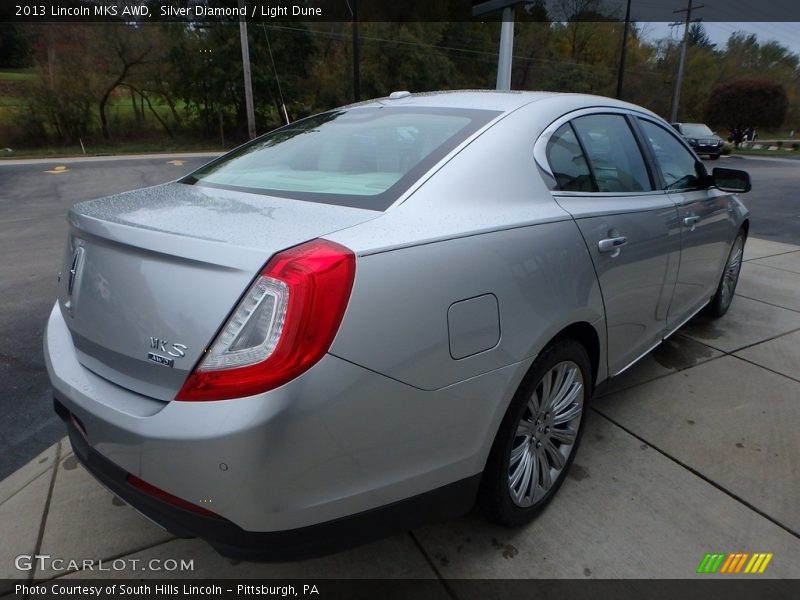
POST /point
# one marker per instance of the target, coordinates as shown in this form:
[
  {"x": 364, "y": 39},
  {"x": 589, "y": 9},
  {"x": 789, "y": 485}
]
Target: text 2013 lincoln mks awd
[{"x": 379, "y": 314}]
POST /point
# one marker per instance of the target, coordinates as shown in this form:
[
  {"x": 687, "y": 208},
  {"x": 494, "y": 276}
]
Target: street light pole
[{"x": 248, "y": 82}]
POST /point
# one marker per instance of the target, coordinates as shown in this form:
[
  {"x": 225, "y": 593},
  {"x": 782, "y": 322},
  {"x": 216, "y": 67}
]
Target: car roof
[{"x": 504, "y": 101}]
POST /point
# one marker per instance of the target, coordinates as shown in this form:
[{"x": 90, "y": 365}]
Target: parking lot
[{"x": 694, "y": 450}]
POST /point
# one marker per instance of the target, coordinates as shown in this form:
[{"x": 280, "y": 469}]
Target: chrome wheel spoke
[
  {"x": 556, "y": 381},
  {"x": 525, "y": 484},
  {"x": 545, "y": 468},
  {"x": 535, "y": 469},
  {"x": 517, "y": 482},
  {"x": 518, "y": 452},
  {"x": 556, "y": 458},
  {"x": 568, "y": 397},
  {"x": 545, "y": 394},
  {"x": 564, "y": 436},
  {"x": 567, "y": 415},
  {"x": 564, "y": 390},
  {"x": 534, "y": 404}
]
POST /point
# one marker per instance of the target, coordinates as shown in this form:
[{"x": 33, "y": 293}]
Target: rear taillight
[{"x": 282, "y": 326}]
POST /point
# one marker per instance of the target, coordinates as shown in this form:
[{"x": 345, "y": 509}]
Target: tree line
[{"x": 186, "y": 78}]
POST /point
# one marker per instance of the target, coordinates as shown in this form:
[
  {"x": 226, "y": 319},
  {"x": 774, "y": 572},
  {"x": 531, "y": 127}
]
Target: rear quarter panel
[{"x": 397, "y": 320}]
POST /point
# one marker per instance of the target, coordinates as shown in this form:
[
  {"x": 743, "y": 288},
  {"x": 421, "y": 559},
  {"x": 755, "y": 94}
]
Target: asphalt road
[{"x": 35, "y": 197}]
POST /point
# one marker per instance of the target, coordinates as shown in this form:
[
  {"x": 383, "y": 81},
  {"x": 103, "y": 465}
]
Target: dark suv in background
[{"x": 701, "y": 138}]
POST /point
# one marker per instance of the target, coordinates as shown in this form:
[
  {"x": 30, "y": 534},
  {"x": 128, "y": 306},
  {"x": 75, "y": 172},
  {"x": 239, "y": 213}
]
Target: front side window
[
  {"x": 678, "y": 166},
  {"x": 363, "y": 157},
  {"x": 566, "y": 160},
  {"x": 614, "y": 156}
]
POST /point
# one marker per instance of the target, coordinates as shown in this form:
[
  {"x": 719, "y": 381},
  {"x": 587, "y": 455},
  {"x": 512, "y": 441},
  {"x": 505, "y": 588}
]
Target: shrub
[{"x": 744, "y": 103}]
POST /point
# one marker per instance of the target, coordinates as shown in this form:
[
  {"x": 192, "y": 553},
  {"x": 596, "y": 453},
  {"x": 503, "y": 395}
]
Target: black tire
[
  {"x": 495, "y": 498},
  {"x": 722, "y": 298},
  {"x": 713, "y": 156}
]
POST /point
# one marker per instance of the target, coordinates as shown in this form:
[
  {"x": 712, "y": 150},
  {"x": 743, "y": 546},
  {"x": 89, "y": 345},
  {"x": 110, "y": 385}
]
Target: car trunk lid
[{"x": 149, "y": 276}]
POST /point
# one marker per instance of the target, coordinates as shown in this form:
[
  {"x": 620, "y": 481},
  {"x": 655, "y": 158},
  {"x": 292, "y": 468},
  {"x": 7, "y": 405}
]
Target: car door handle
[
  {"x": 690, "y": 222},
  {"x": 612, "y": 244}
]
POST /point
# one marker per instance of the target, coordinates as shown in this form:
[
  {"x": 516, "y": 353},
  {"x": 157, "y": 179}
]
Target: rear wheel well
[{"x": 586, "y": 335}]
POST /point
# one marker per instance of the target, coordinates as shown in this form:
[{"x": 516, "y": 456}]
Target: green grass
[
  {"x": 110, "y": 149},
  {"x": 16, "y": 75},
  {"x": 764, "y": 152}
]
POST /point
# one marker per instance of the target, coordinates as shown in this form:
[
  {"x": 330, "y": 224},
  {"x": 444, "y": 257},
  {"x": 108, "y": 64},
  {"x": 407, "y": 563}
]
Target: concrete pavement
[{"x": 693, "y": 450}]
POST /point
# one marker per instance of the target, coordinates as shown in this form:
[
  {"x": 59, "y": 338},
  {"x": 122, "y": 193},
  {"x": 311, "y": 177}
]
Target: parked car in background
[
  {"x": 701, "y": 139},
  {"x": 373, "y": 316}
]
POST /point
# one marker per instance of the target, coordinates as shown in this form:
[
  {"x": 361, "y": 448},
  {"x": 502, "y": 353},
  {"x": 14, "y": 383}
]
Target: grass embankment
[
  {"x": 132, "y": 132},
  {"x": 779, "y": 153},
  {"x": 110, "y": 149}
]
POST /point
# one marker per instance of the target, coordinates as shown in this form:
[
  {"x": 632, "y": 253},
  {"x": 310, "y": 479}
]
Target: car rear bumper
[
  {"x": 231, "y": 540},
  {"x": 338, "y": 441}
]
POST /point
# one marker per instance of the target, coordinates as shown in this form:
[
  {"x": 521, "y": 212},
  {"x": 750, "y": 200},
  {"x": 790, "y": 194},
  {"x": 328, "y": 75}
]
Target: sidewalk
[{"x": 694, "y": 450}]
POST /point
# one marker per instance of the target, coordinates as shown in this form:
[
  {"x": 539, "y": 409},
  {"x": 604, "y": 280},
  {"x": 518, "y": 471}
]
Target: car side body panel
[{"x": 523, "y": 268}]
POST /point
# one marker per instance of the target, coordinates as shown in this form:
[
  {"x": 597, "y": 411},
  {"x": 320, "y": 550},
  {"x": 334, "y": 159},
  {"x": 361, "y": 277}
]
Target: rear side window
[
  {"x": 614, "y": 156},
  {"x": 678, "y": 166},
  {"x": 362, "y": 157},
  {"x": 567, "y": 162}
]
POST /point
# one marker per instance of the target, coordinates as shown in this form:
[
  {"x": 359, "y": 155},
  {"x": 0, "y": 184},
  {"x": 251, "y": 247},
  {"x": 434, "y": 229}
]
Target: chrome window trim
[{"x": 540, "y": 145}]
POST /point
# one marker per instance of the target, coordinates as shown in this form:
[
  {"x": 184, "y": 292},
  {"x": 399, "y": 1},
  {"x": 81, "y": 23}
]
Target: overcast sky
[{"x": 786, "y": 33}]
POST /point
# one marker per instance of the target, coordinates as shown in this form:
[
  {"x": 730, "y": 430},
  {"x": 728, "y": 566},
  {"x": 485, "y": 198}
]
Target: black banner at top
[{"x": 205, "y": 11}]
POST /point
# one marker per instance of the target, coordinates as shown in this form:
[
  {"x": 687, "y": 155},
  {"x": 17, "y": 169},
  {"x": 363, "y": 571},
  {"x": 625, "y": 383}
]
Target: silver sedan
[{"x": 379, "y": 314}]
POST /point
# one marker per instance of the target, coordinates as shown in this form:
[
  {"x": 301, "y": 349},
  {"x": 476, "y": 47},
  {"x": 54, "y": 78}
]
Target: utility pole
[
  {"x": 356, "y": 55},
  {"x": 676, "y": 89},
  {"x": 624, "y": 51},
  {"x": 248, "y": 82},
  {"x": 506, "y": 50}
]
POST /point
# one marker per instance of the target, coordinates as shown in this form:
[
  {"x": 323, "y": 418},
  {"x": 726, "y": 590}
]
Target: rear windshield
[
  {"x": 696, "y": 130},
  {"x": 361, "y": 157}
]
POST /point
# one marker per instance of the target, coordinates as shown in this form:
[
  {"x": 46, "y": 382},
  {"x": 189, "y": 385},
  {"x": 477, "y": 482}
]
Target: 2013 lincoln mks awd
[{"x": 378, "y": 314}]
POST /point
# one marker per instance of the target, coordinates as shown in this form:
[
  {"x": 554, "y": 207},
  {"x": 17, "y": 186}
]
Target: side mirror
[{"x": 731, "y": 180}]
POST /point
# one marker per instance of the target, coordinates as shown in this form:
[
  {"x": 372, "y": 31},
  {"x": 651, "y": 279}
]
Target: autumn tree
[{"x": 748, "y": 103}]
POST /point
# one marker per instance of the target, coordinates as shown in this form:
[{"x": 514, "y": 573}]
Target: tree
[
  {"x": 746, "y": 103},
  {"x": 698, "y": 38},
  {"x": 122, "y": 49},
  {"x": 60, "y": 96},
  {"x": 15, "y": 47}
]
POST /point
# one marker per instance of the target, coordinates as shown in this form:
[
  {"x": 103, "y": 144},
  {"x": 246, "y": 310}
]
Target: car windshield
[
  {"x": 695, "y": 130},
  {"x": 363, "y": 157}
]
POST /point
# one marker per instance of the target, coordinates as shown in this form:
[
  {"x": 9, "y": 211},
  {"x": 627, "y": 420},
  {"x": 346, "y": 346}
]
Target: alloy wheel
[
  {"x": 731, "y": 275},
  {"x": 546, "y": 433}
]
